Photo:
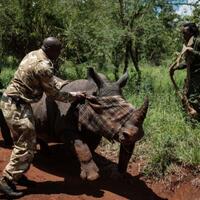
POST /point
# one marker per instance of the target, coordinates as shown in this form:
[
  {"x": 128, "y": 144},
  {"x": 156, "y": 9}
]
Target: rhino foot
[
  {"x": 89, "y": 171},
  {"x": 113, "y": 173}
]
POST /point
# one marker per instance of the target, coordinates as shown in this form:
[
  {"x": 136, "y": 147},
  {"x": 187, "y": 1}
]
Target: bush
[{"x": 6, "y": 76}]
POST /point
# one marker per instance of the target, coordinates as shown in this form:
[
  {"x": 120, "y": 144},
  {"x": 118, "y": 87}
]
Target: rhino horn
[{"x": 140, "y": 113}]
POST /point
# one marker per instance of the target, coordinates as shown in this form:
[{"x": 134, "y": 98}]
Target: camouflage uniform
[
  {"x": 192, "y": 86},
  {"x": 33, "y": 77}
]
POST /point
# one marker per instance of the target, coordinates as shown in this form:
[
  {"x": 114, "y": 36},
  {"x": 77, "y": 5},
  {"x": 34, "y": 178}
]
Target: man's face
[
  {"x": 186, "y": 33},
  {"x": 53, "y": 54}
]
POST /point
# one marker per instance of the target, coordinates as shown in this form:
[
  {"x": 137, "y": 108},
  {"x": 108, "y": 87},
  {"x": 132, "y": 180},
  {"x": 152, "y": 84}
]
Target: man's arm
[
  {"x": 60, "y": 83},
  {"x": 51, "y": 85},
  {"x": 182, "y": 66},
  {"x": 196, "y": 50}
]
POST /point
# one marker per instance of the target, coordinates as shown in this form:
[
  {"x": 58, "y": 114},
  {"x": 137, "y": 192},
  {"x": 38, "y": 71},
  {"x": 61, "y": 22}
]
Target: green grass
[
  {"x": 170, "y": 138},
  {"x": 6, "y": 75}
]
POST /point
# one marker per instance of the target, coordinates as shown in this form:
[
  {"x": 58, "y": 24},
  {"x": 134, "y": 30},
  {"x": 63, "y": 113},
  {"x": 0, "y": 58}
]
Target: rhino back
[
  {"x": 55, "y": 120},
  {"x": 79, "y": 85}
]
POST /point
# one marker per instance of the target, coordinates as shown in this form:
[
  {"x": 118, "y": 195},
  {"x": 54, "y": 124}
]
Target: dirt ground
[{"x": 57, "y": 178}]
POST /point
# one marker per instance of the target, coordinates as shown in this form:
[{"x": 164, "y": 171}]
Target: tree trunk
[
  {"x": 126, "y": 59},
  {"x": 116, "y": 72}
]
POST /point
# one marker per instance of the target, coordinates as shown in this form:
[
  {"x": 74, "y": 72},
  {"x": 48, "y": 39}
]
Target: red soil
[{"x": 57, "y": 177}]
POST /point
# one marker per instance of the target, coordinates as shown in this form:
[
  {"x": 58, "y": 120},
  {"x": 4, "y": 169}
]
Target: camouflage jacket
[
  {"x": 35, "y": 76},
  {"x": 192, "y": 58}
]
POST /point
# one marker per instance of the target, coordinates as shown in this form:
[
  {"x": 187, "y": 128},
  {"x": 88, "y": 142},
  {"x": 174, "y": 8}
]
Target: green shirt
[{"x": 34, "y": 76}]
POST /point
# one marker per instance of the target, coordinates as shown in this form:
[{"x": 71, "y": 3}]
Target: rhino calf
[{"x": 104, "y": 113}]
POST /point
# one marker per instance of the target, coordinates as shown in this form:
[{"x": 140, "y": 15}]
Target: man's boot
[
  {"x": 24, "y": 181},
  {"x": 8, "y": 188}
]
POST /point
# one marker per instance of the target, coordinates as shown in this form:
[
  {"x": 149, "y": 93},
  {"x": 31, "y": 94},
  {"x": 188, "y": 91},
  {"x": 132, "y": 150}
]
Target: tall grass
[{"x": 170, "y": 138}]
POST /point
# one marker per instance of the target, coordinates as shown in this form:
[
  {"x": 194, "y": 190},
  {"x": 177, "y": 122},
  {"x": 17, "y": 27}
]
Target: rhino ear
[
  {"x": 123, "y": 80},
  {"x": 92, "y": 75}
]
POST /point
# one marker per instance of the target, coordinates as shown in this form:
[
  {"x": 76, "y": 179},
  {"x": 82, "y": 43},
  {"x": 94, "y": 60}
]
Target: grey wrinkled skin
[{"x": 63, "y": 124}]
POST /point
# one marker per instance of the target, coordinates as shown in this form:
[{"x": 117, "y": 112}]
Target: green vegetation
[
  {"x": 113, "y": 36},
  {"x": 170, "y": 137}
]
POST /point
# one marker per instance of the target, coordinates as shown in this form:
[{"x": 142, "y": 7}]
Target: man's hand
[
  {"x": 189, "y": 49},
  {"x": 78, "y": 96}
]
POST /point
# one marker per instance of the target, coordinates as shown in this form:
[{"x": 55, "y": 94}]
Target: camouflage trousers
[
  {"x": 193, "y": 92},
  {"x": 19, "y": 118}
]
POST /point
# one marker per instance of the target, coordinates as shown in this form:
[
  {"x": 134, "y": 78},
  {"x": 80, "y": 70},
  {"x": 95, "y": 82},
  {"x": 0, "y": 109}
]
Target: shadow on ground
[{"x": 61, "y": 163}]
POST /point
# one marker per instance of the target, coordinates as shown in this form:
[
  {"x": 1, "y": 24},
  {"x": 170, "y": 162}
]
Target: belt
[{"x": 12, "y": 99}]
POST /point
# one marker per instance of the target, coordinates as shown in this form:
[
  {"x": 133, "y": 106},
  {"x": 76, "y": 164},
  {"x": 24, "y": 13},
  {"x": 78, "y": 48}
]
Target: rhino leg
[
  {"x": 124, "y": 157},
  {"x": 91, "y": 139},
  {"x": 89, "y": 169}
]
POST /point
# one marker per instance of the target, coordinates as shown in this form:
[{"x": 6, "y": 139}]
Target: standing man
[
  {"x": 191, "y": 53},
  {"x": 34, "y": 76}
]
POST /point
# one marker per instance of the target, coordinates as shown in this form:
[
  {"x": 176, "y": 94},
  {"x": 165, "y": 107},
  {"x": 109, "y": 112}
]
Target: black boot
[
  {"x": 24, "y": 181},
  {"x": 8, "y": 188}
]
